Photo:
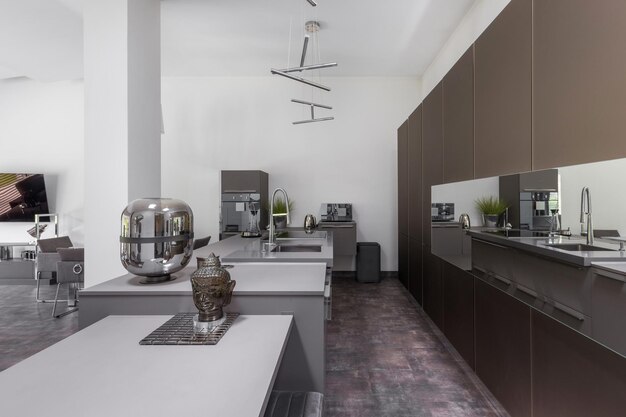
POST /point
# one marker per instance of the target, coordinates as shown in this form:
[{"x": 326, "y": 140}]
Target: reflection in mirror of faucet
[{"x": 585, "y": 211}]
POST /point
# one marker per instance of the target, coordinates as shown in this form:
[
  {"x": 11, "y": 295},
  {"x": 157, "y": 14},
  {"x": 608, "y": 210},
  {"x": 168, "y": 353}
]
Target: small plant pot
[
  {"x": 280, "y": 222},
  {"x": 490, "y": 220}
]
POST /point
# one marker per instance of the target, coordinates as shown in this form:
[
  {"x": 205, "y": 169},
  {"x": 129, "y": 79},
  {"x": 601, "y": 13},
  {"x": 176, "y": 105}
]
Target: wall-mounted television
[{"x": 22, "y": 196}]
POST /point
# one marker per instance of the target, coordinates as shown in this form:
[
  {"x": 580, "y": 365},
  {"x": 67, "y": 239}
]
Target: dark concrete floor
[
  {"x": 26, "y": 327},
  {"x": 385, "y": 358}
]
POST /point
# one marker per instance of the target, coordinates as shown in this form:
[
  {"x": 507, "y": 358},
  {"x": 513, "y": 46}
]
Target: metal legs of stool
[
  {"x": 40, "y": 300},
  {"x": 71, "y": 273},
  {"x": 56, "y": 298}
]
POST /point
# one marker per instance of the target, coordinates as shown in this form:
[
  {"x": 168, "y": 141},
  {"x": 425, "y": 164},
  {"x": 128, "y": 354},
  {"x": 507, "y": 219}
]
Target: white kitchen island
[
  {"x": 262, "y": 288},
  {"x": 102, "y": 371}
]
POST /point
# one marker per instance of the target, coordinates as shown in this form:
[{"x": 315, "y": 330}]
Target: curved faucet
[
  {"x": 271, "y": 243},
  {"x": 585, "y": 197}
]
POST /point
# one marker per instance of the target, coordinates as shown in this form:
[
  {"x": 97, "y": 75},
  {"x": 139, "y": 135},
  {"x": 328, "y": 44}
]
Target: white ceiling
[{"x": 241, "y": 37}]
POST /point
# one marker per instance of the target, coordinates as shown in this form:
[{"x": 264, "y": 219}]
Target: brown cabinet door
[
  {"x": 415, "y": 174},
  {"x": 503, "y": 347},
  {"x": 503, "y": 71},
  {"x": 403, "y": 179},
  {"x": 458, "y": 120},
  {"x": 403, "y": 259},
  {"x": 415, "y": 269},
  {"x": 579, "y": 93},
  {"x": 433, "y": 287},
  {"x": 432, "y": 153},
  {"x": 608, "y": 309},
  {"x": 572, "y": 375},
  {"x": 458, "y": 310}
]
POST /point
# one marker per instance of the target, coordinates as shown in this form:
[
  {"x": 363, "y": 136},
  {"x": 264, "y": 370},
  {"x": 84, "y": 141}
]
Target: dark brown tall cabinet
[
  {"x": 403, "y": 203},
  {"x": 432, "y": 174},
  {"x": 458, "y": 120},
  {"x": 415, "y": 203},
  {"x": 503, "y": 77},
  {"x": 579, "y": 93}
]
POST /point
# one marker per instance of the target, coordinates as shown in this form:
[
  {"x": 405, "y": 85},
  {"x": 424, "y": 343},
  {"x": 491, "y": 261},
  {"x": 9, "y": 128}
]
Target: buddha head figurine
[{"x": 212, "y": 288}]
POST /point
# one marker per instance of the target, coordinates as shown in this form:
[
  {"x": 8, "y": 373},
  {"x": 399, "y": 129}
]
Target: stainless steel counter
[{"x": 540, "y": 246}]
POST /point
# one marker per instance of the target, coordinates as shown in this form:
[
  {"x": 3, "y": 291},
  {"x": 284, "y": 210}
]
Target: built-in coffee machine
[{"x": 244, "y": 203}]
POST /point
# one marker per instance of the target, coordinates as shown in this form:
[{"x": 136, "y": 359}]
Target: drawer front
[
  {"x": 609, "y": 310},
  {"x": 492, "y": 258},
  {"x": 567, "y": 285}
]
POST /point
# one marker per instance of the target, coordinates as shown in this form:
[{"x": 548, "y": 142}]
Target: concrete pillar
[{"x": 122, "y": 122}]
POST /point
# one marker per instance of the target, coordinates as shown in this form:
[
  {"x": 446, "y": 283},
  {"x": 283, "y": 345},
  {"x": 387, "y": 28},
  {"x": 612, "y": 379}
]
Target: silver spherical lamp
[{"x": 156, "y": 238}]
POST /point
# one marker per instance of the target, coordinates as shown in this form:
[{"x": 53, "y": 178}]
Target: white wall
[
  {"x": 41, "y": 131},
  {"x": 477, "y": 19},
  {"x": 464, "y": 194},
  {"x": 214, "y": 124}
]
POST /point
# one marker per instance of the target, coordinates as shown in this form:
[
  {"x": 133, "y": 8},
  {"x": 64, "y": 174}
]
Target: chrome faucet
[
  {"x": 272, "y": 243},
  {"x": 585, "y": 210}
]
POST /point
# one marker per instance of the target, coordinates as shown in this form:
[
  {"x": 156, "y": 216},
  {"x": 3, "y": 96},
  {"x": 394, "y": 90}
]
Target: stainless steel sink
[
  {"x": 297, "y": 248},
  {"x": 579, "y": 247},
  {"x": 300, "y": 234}
]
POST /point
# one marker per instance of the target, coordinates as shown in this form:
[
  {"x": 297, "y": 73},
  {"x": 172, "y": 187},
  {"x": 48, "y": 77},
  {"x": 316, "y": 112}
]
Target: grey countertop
[
  {"x": 110, "y": 374},
  {"x": 250, "y": 250},
  {"x": 540, "y": 246},
  {"x": 616, "y": 267},
  {"x": 280, "y": 273},
  {"x": 287, "y": 278}
]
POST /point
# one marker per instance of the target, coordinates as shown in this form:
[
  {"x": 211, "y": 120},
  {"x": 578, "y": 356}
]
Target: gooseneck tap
[
  {"x": 272, "y": 243},
  {"x": 585, "y": 210}
]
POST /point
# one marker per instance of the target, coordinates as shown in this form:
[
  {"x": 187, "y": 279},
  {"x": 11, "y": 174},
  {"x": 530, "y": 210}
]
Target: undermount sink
[
  {"x": 297, "y": 248},
  {"x": 578, "y": 247}
]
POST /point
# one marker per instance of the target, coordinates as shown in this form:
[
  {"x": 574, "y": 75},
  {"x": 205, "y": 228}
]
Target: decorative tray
[{"x": 179, "y": 331}]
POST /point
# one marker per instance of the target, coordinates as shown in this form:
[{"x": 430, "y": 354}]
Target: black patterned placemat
[{"x": 179, "y": 331}]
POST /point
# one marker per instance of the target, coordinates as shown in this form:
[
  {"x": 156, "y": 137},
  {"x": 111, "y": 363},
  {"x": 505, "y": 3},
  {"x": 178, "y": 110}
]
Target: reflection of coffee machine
[{"x": 535, "y": 209}]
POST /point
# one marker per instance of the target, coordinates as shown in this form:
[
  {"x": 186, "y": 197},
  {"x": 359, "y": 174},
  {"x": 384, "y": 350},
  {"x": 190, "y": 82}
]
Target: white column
[{"x": 122, "y": 122}]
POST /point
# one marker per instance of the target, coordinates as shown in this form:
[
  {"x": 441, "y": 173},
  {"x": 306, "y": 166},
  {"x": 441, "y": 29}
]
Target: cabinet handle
[
  {"x": 492, "y": 244},
  {"x": 328, "y": 226},
  {"x": 240, "y": 191},
  {"x": 570, "y": 312},
  {"x": 501, "y": 279},
  {"x": 528, "y": 291}
]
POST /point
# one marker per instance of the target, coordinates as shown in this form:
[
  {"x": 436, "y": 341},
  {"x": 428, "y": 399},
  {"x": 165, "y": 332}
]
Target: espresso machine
[{"x": 244, "y": 203}]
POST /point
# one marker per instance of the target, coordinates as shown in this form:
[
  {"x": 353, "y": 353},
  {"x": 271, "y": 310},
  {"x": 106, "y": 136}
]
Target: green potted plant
[
  {"x": 280, "y": 208},
  {"x": 491, "y": 209}
]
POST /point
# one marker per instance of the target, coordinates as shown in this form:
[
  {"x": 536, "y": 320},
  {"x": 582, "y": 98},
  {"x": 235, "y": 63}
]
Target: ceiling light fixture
[
  {"x": 300, "y": 79},
  {"x": 313, "y": 106},
  {"x": 311, "y": 27},
  {"x": 312, "y": 2}
]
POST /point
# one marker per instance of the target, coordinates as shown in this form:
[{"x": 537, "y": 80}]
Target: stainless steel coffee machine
[{"x": 244, "y": 203}]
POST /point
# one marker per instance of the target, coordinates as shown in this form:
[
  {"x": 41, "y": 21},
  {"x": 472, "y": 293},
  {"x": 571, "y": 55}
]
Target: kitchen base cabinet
[
  {"x": 573, "y": 375},
  {"x": 403, "y": 260},
  {"x": 503, "y": 347},
  {"x": 458, "y": 310},
  {"x": 415, "y": 269},
  {"x": 433, "y": 287}
]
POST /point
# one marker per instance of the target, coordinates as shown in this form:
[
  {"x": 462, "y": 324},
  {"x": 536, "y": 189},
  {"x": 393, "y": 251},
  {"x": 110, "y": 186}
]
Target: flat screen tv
[{"x": 22, "y": 196}]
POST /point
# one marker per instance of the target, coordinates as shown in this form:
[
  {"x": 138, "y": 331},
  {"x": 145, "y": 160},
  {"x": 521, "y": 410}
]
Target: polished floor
[
  {"x": 384, "y": 357},
  {"x": 26, "y": 327}
]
